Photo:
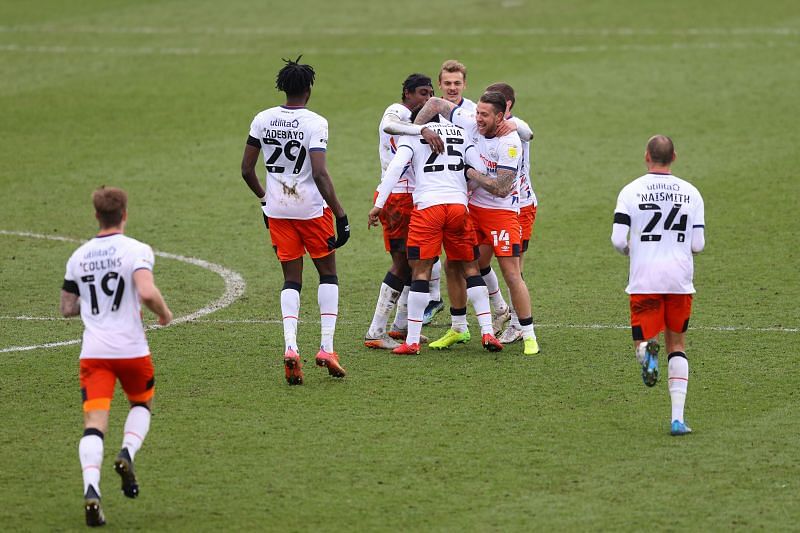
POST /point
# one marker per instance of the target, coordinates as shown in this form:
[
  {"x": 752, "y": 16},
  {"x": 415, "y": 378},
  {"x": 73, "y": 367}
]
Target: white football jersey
[
  {"x": 287, "y": 135},
  {"x": 466, "y": 105},
  {"x": 110, "y": 309},
  {"x": 527, "y": 196},
  {"x": 440, "y": 178},
  {"x": 498, "y": 152},
  {"x": 662, "y": 211},
  {"x": 388, "y": 147}
]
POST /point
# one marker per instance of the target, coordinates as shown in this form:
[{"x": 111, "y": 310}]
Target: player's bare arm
[
  {"x": 390, "y": 178},
  {"x": 249, "y": 160},
  {"x": 150, "y": 295},
  {"x": 70, "y": 304},
  {"x": 434, "y": 106},
  {"x": 319, "y": 171},
  {"x": 395, "y": 126},
  {"x": 500, "y": 187}
]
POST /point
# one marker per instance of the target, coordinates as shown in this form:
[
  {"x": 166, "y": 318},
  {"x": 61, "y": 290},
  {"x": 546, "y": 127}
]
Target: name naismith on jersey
[{"x": 663, "y": 196}]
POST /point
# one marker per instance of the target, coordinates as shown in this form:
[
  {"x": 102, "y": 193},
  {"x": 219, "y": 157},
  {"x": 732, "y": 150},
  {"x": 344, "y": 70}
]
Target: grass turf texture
[{"x": 157, "y": 98}]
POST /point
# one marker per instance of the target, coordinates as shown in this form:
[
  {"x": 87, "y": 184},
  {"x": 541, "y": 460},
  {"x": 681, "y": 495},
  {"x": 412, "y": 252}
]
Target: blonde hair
[
  {"x": 451, "y": 65},
  {"x": 110, "y": 205}
]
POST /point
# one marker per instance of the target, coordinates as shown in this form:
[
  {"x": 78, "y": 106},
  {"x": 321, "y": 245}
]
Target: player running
[
  {"x": 493, "y": 204},
  {"x": 439, "y": 217},
  {"x": 665, "y": 218},
  {"x": 105, "y": 281},
  {"x": 395, "y": 216},
  {"x": 299, "y": 207}
]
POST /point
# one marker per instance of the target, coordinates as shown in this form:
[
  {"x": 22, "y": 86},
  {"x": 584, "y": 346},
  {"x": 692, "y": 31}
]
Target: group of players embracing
[{"x": 455, "y": 175}]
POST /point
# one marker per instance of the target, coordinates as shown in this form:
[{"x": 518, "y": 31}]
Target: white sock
[
  {"x": 290, "y": 310},
  {"x": 434, "y": 287},
  {"x": 479, "y": 298},
  {"x": 401, "y": 318},
  {"x": 417, "y": 301},
  {"x": 458, "y": 322},
  {"x": 678, "y": 385},
  {"x": 90, "y": 451},
  {"x": 495, "y": 295},
  {"x": 387, "y": 299},
  {"x": 514, "y": 317},
  {"x": 328, "y": 300},
  {"x": 136, "y": 427}
]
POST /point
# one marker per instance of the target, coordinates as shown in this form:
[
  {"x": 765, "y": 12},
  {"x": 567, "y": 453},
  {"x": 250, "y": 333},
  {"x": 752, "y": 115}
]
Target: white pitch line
[
  {"x": 366, "y": 51},
  {"x": 234, "y": 288},
  {"x": 389, "y": 32},
  {"x": 770, "y": 329}
]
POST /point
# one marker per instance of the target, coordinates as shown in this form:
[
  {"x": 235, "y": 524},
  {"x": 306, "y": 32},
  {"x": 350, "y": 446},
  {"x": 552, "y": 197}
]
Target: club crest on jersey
[{"x": 493, "y": 154}]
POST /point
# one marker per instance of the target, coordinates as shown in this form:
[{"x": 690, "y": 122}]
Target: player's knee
[{"x": 292, "y": 285}]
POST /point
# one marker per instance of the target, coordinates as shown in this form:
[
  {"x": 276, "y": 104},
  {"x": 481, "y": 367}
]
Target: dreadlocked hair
[{"x": 294, "y": 79}]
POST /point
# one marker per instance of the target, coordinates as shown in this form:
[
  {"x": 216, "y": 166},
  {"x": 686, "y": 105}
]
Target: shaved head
[{"x": 661, "y": 150}]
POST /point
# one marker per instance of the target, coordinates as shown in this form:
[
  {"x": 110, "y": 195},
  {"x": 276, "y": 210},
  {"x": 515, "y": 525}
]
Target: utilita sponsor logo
[{"x": 285, "y": 123}]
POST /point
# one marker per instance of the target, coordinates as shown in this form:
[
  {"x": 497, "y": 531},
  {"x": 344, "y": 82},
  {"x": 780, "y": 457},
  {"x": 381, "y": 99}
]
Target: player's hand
[
  {"x": 342, "y": 231},
  {"x": 432, "y": 138},
  {"x": 506, "y": 127},
  {"x": 373, "y": 219},
  {"x": 165, "y": 319}
]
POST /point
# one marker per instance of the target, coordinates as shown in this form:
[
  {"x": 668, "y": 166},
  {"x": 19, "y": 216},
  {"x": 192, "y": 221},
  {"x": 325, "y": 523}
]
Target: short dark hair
[
  {"x": 413, "y": 81},
  {"x": 496, "y": 99},
  {"x": 504, "y": 89},
  {"x": 660, "y": 149},
  {"x": 110, "y": 204},
  {"x": 294, "y": 79}
]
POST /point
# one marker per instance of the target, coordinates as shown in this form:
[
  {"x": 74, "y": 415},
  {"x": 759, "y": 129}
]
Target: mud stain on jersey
[{"x": 290, "y": 191}]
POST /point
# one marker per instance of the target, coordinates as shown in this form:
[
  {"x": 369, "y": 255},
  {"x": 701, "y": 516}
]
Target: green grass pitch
[{"x": 157, "y": 97}]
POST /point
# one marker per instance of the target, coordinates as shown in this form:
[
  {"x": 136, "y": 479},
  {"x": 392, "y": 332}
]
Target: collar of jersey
[
  {"x": 293, "y": 106},
  {"x": 661, "y": 173},
  {"x": 108, "y": 235}
]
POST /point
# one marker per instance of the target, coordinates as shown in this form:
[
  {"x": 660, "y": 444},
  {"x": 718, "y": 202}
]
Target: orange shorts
[
  {"x": 498, "y": 228},
  {"x": 447, "y": 224},
  {"x": 98, "y": 377},
  {"x": 395, "y": 218},
  {"x": 527, "y": 216},
  {"x": 292, "y": 238},
  {"x": 650, "y": 313}
]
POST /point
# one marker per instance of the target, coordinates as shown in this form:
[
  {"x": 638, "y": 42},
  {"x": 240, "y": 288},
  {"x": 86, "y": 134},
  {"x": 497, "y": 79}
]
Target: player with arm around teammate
[
  {"x": 491, "y": 205},
  {"x": 659, "y": 221},
  {"x": 440, "y": 217},
  {"x": 299, "y": 207},
  {"x": 105, "y": 281},
  {"x": 395, "y": 216}
]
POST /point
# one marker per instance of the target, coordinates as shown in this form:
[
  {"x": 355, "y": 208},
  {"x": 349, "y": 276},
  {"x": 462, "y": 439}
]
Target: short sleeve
[
  {"x": 255, "y": 128},
  {"x": 144, "y": 259},
  {"x": 699, "y": 213},
  {"x": 68, "y": 275},
  {"x": 622, "y": 205},
  {"x": 463, "y": 118},
  {"x": 319, "y": 136},
  {"x": 509, "y": 152}
]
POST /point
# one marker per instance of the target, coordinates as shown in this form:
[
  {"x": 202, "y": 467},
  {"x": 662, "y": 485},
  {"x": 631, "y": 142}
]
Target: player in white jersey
[
  {"x": 527, "y": 216},
  {"x": 452, "y": 83},
  {"x": 105, "y": 280},
  {"x": 299, "y": 206},
  {"x": 493, "y": 204},
  {"x": 665, "y": 218},
  {"x": 439, "y": 217},
  {"x": 395, "y": 217}
]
